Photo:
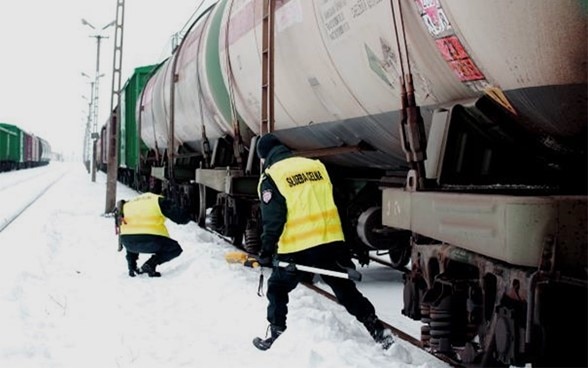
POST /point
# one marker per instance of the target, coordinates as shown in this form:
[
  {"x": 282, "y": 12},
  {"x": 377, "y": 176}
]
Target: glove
[{"x": 265, "y": 261}]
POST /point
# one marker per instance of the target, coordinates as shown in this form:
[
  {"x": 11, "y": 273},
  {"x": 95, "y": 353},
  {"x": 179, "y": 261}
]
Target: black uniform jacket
[{"x": 272, "y": 204}]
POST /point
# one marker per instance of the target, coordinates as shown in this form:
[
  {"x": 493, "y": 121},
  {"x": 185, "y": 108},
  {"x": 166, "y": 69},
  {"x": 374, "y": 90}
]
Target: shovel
[
  {"x": 351, "y": 274},
  {"x": 249, "y": 261}
]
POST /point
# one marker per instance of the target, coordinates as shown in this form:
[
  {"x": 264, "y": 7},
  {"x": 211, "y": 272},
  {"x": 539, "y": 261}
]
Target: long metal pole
[
  {"x": 112, "y": 171},
  {"x": 89, "y": 130},
  {"x": 96, "y": 105}
]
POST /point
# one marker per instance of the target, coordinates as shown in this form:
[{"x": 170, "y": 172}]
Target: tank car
[
  {"x": 45, "y": 152},
  {"x": 101, "y": 150},
  {"x": 455, "y": 134}
]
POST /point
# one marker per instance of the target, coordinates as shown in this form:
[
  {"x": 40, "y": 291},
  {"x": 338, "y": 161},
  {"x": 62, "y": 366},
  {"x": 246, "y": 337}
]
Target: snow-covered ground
[{"x": 66, "y": 299}]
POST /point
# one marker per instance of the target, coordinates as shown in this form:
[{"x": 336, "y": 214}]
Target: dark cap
[{"x": 266, "y": 143}]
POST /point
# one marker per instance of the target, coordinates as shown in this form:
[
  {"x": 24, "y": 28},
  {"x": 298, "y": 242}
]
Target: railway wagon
[
  {"x": 20, "y": 149},
  {"x": 133, "y": 163},
  {"x": 34, "y": 147},
  {"x": 101, "y": 148},
  {"x": 130, "y": 147},
  {"x": 45, "y": 152},
  {"x": 11, "y": 156},
  {"x": 37, "y": 151},
  {"x": 454, "y": 132},
  {"x": 30, "y": 149}
]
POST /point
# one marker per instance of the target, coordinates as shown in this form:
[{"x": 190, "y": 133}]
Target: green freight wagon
[
  {"x": 11, "y": 147},
  {"x": 131, "y": 147}
]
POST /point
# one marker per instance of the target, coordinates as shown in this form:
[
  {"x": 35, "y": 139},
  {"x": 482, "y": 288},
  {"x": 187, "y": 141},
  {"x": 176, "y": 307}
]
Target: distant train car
[
  {"x": 46, "y": 153},
  {"x": 37, "y": 151},
  {"x": 30, "y": 148},
  {"x": 35, "y": 147},
  {"x": 101, "y": 151},
  {"x": 11, "y": 143}
]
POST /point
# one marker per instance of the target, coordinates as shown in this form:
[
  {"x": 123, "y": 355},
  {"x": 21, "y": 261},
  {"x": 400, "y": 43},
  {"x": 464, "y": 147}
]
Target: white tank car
[{"x": 337, "y": 70}]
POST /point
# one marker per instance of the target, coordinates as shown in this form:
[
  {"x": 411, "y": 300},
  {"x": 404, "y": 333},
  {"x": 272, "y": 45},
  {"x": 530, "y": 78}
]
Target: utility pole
[
  {"x": 87, "y": 136},
  {"x": 94, "y": 131},
  {"x": 112, "y": 130}
]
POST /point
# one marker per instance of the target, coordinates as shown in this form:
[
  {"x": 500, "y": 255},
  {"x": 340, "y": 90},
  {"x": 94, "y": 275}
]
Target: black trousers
[
  {"x": 164, "y": 249},
  {"x": 332, "y": 256}
]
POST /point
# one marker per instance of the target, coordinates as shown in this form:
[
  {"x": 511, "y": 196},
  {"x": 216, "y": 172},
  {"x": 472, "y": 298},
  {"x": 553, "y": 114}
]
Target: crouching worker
[
  {"x": 301, "y": 225},
  {"x": 142, "y": 230}
]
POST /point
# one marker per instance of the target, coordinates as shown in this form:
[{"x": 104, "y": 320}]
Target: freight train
[
  {"x": 455, "y": 133},
  {"x": 21, "y": 150}
]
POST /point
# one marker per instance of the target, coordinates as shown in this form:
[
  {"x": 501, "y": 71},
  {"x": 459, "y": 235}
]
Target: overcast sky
[{"x": 44, "y": 48}]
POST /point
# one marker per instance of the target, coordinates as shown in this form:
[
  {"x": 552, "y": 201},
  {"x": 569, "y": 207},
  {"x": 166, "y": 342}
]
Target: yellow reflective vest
[
  {"x": 142, "y": 215},
  {"x": 312, "y": 217}
]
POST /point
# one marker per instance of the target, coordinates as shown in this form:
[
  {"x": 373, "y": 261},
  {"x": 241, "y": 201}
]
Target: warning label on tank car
[
  {"x": 458, "y": 59},
  {"x": 466, "y": 70},
  {"x": 448, "y": 44},
  {"x": 433, "y": 16}
]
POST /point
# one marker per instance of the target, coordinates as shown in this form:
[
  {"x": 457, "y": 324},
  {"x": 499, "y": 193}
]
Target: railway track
[
  {"x": 399, "y": 334},
  {"x": 396, "y": 331},
  {"x": 12, "y": 179},
  {"x": 19, "y": 194}
]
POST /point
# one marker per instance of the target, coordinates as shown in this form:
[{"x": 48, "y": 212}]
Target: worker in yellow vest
[
  {"x": 301, "y": 225},
  {"x": 142, "y": 229}
]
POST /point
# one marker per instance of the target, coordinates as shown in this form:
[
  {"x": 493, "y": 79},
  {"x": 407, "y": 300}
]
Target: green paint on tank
[{"x": 217, "y": 86}]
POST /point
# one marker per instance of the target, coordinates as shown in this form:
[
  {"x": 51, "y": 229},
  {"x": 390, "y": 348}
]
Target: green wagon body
[
  {"x": 130, "y": 146},
  {"x": 11, "y": 146}
]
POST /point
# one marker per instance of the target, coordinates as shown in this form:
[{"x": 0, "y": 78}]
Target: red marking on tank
[
  {"x": 449, "y": 45},
  {"x": 466, "y": 70},
  {"x": 451, "y": 48},
  {"x": 458, "y": 59}
]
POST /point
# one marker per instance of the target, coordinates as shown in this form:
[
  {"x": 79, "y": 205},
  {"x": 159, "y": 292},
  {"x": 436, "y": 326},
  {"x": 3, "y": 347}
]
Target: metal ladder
[{"x": 267, "y": 71}]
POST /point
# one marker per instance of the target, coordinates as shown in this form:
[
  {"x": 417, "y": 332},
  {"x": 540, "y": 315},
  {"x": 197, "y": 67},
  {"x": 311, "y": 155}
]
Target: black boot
[
  {"x": 132, "y": 263},
  {"x": 149, "y": 270},
  {"x": 133, "y": 271},
  {"x": 379, "y": 333},
  {"x": 264, "y": 344}
]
